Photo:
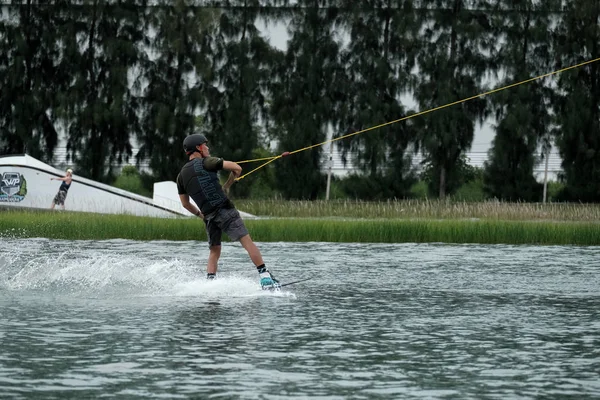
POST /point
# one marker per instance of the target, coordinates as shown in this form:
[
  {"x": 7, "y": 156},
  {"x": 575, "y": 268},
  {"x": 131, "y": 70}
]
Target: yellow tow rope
[{"x": 287, "y": 153}]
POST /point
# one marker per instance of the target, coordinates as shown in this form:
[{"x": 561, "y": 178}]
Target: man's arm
[
  {"x": 235, "y": 172},
  {"x": 185, "y": 202}
]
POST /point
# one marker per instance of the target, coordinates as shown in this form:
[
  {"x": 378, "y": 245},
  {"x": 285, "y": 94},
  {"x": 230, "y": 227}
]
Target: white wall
[{"x": 84, "y": 194}]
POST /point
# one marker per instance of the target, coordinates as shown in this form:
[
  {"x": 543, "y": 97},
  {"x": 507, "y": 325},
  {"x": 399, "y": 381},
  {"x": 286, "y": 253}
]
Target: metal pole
[
  {"x": 546, "y": 175},
  {"x": 329, "y": 171}
]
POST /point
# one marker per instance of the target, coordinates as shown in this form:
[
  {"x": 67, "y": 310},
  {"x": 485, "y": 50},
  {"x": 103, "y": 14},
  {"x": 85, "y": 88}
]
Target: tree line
[{"x": 106, "y": 73}]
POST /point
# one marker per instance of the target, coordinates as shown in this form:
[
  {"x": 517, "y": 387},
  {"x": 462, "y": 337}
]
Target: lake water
[{"x": 124, "y": 319}]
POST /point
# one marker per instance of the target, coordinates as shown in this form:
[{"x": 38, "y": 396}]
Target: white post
[
  {"x": 546, "y": 176},
  {"x": 329, "y": 171}
]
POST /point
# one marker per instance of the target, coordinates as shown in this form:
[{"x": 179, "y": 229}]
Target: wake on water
[{"x": 105, "y": 273}]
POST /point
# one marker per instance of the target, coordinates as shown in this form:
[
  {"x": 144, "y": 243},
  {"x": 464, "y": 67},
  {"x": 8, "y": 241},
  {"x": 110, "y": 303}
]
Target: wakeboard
[
  {"x": 294, "y": 282},
  {"x": 275, "y": 288}
]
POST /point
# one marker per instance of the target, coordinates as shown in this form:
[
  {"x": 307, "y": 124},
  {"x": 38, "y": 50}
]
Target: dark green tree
[
  {"x": 176, "y": 74},
  {"x": 305, "y": 96},
  {"x": 468, "y": 177},
  {"x": 30, "y": 78},
  {"x": 455, "y": 35},
  {"x": 522, "y": 113},
  {"x": 130, "y": 180},
  {"x": 577, "y": 102},
  {"x": 241, "y": 64},
  {"x": 100, "y": 107},
  {"x": 378, "y": 59}
]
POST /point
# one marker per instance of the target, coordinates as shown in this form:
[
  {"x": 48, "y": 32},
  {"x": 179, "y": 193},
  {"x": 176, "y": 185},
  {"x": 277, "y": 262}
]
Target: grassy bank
[{"x": 72, "y": 225}]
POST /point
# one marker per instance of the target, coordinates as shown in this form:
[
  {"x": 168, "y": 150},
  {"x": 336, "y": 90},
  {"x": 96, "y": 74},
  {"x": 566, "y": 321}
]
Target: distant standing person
[
  {"x": 198, "y": 179},
  {"x": 61, "y": 196}
]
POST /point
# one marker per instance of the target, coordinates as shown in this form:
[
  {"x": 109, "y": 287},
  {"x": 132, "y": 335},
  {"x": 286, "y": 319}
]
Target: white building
[{"x": 25, "y": 182}]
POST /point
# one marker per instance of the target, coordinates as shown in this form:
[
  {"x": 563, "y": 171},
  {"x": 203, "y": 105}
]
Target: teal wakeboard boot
[{"x": 267, "y": 280}]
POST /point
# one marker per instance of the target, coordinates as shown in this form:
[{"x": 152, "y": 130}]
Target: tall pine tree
[
  {"x": 378, "y": 60},
  {"x": 241, "y": 64},
  {"x": 99, "y": 107},
  {"x": 30, "y": 78},
  {"x": 578, "y": 101},
  {"x": 175, "y": 75},
  {"x": 452, "y": 63},
  {"x": 305, "y": 96},
  {"x": 522, "y": 113}
]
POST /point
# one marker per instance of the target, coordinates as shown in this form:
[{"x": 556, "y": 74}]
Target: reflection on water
[{"x": 131, "y": 319}]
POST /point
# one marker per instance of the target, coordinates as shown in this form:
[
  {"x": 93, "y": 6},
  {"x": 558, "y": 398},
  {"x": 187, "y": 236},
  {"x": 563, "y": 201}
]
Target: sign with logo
[{"x": 13, "y": 187}]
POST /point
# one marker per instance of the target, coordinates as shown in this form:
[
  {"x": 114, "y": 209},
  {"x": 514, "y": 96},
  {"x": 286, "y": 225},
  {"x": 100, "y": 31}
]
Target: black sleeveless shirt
[
  {"x": 199, "y": 180},
  {"x": 64, "y": 187}
]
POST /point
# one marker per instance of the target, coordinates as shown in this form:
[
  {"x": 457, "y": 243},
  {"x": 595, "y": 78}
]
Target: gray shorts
[
  {"x": 226, "y": 220},
  {"x": 60, "y": 198}
]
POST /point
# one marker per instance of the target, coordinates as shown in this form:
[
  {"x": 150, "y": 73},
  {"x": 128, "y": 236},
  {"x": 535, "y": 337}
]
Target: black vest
[
  {"x": 64, "y": 187},
  {"x": 203, "y": 187}
]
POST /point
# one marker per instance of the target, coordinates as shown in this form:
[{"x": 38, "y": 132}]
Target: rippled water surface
[{"x": 124, "y": 319}]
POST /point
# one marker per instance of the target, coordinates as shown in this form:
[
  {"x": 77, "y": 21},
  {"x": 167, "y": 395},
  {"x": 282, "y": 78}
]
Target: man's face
[{"x": 204, "y": 150}]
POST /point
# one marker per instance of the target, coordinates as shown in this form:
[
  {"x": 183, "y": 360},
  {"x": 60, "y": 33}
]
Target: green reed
[
  {"x": 73, "y": 225},
  {"x": 425, "y": 231},
  {"x": 429, "y": 209}
]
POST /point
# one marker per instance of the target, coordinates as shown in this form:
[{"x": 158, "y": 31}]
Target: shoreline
[{"x": 86, "y": 226}]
